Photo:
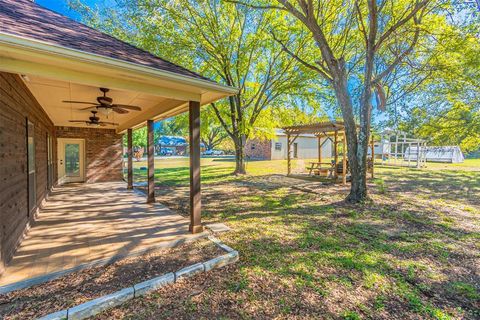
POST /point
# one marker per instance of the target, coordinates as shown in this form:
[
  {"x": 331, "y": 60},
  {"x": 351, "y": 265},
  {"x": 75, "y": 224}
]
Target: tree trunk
[
  {"x": 239, "y": 155},
  {"x": 357, "y": 144},
  {"x": 358, "y": 191}
]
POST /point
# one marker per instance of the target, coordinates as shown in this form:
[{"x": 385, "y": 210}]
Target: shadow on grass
[
  {"x": 384, "y": 259},
  {"x": 321, "y": 251},
  {"x": 381, "y": 259},
  {"x": 454, "y": 185}
]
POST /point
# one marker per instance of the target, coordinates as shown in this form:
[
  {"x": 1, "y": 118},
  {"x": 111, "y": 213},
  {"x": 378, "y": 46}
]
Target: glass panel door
[{"x": 72, "y": 159}]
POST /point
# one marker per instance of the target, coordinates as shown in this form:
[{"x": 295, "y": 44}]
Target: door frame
[
  {"x": 62, "y": 178},
  {"x": 31, "y": 169}
]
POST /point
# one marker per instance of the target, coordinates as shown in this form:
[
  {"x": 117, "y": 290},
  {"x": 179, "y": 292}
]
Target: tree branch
[
  {"x": 398, "y": 59},
  {"x": 219, "y": 116},
  {"x": 303, "y": 62},
  {"x": 401, "y": 22}
]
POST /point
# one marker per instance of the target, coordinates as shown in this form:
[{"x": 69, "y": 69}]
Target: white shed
[
  {"x": 304, "y": 147},
  {"x": 381, "y": 149},
  {"x": 449, "y": 154}
]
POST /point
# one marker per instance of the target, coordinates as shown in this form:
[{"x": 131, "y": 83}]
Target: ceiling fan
[
  {"x": 106, "y": 105},
  {"x": 95, "y": 121}
]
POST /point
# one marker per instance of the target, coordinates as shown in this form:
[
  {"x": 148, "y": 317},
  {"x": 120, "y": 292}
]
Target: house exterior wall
[
  {"x": 276, "y": 149},
  {"x": 258, "y": 149},
  {"x": 103, "y": 152},
  {"x": 307, "y": 148},
  {"x": 17, "y": 105}
]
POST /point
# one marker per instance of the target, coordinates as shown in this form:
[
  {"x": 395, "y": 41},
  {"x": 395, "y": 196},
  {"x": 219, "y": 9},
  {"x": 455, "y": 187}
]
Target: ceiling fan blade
[
  {"x": 119, "y": 110},
  {"x": 80, "y": 102},
  {"x": 87, "y": 108},
  {"x": 77, "y": 121},
  {"x": 126, "y": 106},
  {"x": 108, "y": 123}
]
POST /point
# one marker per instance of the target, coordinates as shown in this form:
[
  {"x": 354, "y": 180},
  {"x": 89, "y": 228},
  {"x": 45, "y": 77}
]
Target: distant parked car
[
  {"x": 166, "y": 152},
  {"x": 213, "y": 152}
]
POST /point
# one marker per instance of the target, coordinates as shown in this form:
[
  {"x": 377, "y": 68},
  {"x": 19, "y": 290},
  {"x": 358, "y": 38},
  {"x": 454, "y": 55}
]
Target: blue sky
[{"x": 61, "y": 6}]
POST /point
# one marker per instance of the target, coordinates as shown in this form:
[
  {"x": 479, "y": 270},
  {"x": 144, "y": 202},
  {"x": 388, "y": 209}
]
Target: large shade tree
[
  {"x": 224, "y": 41},
  {"x": 212, "y": 133},
  {"x": 354, "y": 46},
  {"x": 444, "y": 106}
]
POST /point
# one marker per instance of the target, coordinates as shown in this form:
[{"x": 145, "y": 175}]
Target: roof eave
[{"x": 29, "y": 44}]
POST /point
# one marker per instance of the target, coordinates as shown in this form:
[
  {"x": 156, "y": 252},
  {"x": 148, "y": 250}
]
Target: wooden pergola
[{"x": 334, "y": 131}]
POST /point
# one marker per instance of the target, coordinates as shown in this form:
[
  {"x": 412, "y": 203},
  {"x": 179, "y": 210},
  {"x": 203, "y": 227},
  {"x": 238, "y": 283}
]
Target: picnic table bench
[{"x": 317, "y": 167}]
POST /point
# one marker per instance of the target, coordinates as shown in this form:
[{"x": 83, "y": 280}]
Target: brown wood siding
[
  {"x": 16, "y": 105},
  {"x": 103, "y": 149}
]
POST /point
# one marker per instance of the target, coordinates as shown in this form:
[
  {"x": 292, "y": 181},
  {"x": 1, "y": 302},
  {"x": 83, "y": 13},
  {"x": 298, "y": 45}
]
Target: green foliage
[
  {"x": 380, "y": 183},
  {"x": 351, "y": 315},
  {"x": 465, "y": 289},
  {"x": 176, "y": 126},
  {"x": 223, "y": 41},
  {"x": 443, "y": 107},
  {"x": 139, "y": 137}
]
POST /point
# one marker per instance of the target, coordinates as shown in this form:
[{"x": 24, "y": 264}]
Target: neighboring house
[
  {"x": 172, "y": 145},
  {"x": 305, "y": 146},
  {"x": 47, "y": 59}
]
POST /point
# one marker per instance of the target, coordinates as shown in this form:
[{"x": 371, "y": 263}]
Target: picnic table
[{"x": 317, "y": 167}]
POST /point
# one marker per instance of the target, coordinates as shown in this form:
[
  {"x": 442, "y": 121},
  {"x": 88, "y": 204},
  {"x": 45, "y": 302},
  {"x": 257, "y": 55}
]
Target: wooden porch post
[
  {"x": 195, "y": 188},
  {"x": 344, "y": 159},
  {"x": 289, "y": 165},
  {"x": 151, "y": 166},
  {"x": 130, "y": 159},
  {"x": 335, "y": 153}
]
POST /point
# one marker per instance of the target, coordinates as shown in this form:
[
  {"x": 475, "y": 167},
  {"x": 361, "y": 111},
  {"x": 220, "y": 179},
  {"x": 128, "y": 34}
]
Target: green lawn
[
  {"x": 413, "y": 252},
  {"x": 175, "y": 171}
]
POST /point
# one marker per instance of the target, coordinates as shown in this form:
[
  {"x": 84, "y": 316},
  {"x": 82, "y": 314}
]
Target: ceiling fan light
[{"x": 105, "y": 111}]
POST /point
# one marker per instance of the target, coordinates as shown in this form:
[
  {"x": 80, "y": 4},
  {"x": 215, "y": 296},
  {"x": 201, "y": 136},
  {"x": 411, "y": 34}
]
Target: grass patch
[{"x": 407, "y": 254}]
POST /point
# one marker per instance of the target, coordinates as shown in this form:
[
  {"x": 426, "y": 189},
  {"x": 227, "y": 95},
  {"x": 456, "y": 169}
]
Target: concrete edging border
[{"x": 95, "y": 306}]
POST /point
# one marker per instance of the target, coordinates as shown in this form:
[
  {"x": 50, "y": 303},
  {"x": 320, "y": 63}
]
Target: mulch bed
[{"x": 91, "y": 283}]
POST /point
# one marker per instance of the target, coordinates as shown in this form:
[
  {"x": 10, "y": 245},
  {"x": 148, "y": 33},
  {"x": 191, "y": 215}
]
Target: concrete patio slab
[
  {"x": 84, "y": 223},
  {"x": 218, "y": 227}
]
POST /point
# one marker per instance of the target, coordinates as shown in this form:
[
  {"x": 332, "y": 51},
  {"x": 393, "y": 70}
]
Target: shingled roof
[{"x": 29, "y": 20}]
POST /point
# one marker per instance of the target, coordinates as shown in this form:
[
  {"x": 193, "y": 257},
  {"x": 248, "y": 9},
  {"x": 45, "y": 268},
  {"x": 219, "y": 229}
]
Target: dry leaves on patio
[{"x": 92, "y": 283}]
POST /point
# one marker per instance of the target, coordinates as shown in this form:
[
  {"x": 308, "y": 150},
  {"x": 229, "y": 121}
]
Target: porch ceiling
[{"x": 50, "y": 94}]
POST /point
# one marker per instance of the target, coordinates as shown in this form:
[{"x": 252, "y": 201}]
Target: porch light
[{"x": 105, "y": 111}]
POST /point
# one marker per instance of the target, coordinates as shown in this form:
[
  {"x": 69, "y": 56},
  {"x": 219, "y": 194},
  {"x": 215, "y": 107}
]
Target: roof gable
[{"x": 26, "y": 19}]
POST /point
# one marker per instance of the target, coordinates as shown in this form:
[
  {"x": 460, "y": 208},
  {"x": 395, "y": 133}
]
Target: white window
[{"x": 278, "y": 146}]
